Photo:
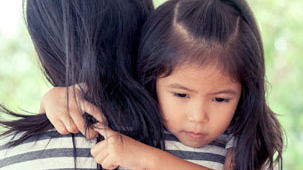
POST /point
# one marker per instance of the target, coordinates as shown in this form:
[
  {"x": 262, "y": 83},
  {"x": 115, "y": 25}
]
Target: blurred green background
[{"x": 22, "y": 83}]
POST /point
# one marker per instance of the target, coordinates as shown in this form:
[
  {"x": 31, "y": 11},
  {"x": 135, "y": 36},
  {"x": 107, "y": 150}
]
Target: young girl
[
  {"x": 203, "y": 61},
  {"x": 186, "y": 38}
]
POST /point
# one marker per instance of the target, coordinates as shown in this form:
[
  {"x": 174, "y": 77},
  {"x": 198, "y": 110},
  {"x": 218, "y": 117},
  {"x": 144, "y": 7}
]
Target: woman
[{"x": 70, "y": 38}]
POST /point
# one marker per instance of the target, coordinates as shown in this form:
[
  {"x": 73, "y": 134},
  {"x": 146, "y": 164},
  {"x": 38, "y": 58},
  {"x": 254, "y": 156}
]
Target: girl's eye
[
  {"x": 220, "y": 100},
  {"x": 181, "y": 95}
]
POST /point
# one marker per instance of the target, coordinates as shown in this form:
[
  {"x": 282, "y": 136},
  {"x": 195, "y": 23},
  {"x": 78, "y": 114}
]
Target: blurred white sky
[{"x": 10, "y": 16}]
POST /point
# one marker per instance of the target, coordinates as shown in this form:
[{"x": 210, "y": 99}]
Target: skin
[
  {"x": 120, "y": 150},
  {"x": 67, "y": 118},
  {"x": 197, "y": 103}
]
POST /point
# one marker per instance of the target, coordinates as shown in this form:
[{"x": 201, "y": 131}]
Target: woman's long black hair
[
  {"x": 222, "y": 32},
  {"x": 94, "y": 43}
]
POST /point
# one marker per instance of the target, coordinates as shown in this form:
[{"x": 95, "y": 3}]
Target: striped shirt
[
  {"x": 52, "y": 151},
  {"x": 211, "y": 156}
]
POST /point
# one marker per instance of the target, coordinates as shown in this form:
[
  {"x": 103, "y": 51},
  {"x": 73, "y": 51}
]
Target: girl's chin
[{"x": 194, "y": 143}]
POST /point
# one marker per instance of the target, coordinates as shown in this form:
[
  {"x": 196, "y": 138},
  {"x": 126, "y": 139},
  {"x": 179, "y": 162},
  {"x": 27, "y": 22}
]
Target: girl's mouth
[{"x": 194, "y": 135}]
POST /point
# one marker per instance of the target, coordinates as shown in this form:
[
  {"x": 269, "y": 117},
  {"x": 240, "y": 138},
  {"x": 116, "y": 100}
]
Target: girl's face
[{"x": 197, "y": 103}]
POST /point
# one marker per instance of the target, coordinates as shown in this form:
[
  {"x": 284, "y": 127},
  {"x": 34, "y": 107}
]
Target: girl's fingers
[
  {"x": 80, "y": 123},
  {"x": 69, "y": 124},
  {"x": 102, "y": 155},
  {"x": 100, "y": 147},
  {"x": 92, "y": 110},
  {"x": 104, "y": 130},
  {"x": 108, "y": 146},
  {"x": 59, "y": 126},
  {"x": 109, "y": 163},
  {"x": 90, "y": 133},
  {"x": 100, "y": 158}
]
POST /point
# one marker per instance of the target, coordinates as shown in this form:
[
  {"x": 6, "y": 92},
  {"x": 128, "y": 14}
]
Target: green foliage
[
  {"x": 158, "y": 2},
  {"x": 21, "y": 81},
  {"x": 281, "y": 27},
  {"x": 22, "y": 84}
]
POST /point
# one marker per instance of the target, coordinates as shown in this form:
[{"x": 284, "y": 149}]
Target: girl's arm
[
  {"x": 120, "y": 150},
  {"x": 54, "y": 104},
  {"x": 162, "y": 160}
]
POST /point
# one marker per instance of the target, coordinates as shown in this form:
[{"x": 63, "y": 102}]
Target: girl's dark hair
[
  {"x": 93, "y": 43},
  {"x": 223, "y": 32}
]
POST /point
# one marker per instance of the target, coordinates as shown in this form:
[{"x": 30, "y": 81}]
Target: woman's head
[
  {"x": 73, "y": 38},
  {"x": 219, "y": 34},
  {"x": 93, "y": 43}
]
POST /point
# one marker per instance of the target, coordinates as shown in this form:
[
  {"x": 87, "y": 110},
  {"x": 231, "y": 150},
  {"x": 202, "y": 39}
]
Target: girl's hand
[
  {"x": 67, "y": 118},
  {"x": 119, "y": 150}
]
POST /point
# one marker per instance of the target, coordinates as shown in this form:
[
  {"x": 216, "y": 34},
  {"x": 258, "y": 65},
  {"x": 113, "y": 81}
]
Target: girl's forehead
[
  {"x": 202, "y": 80},
  {"x": 194, "y": 69},
  {"x": 221, "y": 58},
  {"x": 193, "y": 66}
]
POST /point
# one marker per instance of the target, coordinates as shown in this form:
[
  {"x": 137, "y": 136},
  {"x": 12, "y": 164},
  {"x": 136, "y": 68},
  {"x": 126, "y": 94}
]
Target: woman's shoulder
[{"x": 48, "y": 150}]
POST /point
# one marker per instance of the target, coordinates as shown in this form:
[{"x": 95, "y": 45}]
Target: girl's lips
[{"x": 195, "y": 135}]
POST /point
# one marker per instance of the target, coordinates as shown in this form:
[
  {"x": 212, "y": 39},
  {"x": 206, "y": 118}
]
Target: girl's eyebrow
[
  {"x": 179, "y": 86},
  {"x": 227, "y": 91}
]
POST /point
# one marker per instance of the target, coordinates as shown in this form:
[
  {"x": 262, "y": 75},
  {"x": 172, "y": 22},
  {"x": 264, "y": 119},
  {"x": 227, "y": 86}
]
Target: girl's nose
[{"x": 198, "y": 114}]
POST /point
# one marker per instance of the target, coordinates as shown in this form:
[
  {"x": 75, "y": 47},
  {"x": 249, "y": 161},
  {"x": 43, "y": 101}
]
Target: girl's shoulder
[
  {"x": 228, "y": 140},
  {"x": 211, "y": 155}
]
